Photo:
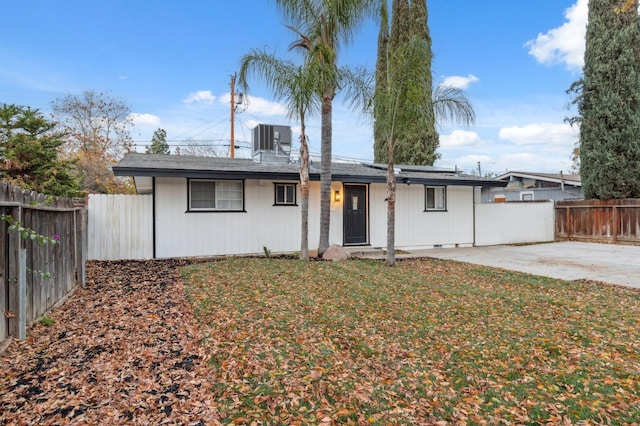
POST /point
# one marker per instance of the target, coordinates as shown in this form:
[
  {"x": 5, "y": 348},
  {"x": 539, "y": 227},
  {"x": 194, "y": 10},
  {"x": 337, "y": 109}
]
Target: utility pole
[{"x": 232, "y": 142}]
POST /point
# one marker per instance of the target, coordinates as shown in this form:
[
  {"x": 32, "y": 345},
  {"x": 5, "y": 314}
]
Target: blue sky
[{"x": 172, "y": 62}]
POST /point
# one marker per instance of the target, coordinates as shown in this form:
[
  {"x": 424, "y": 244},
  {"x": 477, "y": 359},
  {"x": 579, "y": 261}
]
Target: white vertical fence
[
  {"x": 514, "y": 223},
  {"x": 120, "y": 227}
]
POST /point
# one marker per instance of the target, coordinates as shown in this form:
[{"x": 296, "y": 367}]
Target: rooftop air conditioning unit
[{"x": 271, "y": 143}]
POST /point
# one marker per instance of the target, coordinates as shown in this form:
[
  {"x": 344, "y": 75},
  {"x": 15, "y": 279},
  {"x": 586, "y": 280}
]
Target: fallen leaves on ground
[
  {"x": 279, "y": 341},
  {"x": 125, "y": 349},
  {"x": 426, "y": 342}
]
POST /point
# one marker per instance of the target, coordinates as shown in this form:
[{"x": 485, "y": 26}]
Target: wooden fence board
[
  {"x": 611, "y": 221},
  {"x": 4, "y": 283},
  {"x": 64, "y": 262}
]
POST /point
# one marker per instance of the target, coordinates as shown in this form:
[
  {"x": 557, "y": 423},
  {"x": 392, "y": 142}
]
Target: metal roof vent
[{"x": 271, "y": 143}]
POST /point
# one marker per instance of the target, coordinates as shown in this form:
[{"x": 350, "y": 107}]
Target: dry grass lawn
[{"x": 425, "y": 342}]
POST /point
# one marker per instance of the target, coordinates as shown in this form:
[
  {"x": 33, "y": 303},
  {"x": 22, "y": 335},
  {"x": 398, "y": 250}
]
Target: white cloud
[
  {"x": 258, "y": 106},
  {"x": 146, "y": 120},
  {"x": 460, "y": 82},
  {"x": 501, "y": 162},
  {"x": 200, "y": 97},
  {"x": 459, "y": 139},
  {"x": 540, "y": 133},
  {"x": 517, "y": 158},
  {"x": 251, "y": 123},
  {"x": 532, "y": 162},
  {"x": 566, "y": 43}
]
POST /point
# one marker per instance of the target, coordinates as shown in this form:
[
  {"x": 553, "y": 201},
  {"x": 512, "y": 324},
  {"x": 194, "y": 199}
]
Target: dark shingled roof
[{"x": 137, "y": 164}]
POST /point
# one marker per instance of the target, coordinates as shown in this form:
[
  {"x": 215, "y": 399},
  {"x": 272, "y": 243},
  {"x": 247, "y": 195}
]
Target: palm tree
[
  {"x": 387, "y": 101},
  {"x": 448, "y": 104},
  {"x": 297, "y": 86},
  {"x": 324, "y": 26}
]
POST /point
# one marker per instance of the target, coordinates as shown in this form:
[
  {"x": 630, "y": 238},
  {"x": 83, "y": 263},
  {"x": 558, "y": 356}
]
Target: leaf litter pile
[
  {"x": 125, "y": 349},
  {"x": 280, "y": 341}
]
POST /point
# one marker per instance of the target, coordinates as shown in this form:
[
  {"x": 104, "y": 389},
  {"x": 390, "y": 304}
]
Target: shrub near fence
[
  {"x": 33, "y": 277},
  {"x": 610, "y": 221}
]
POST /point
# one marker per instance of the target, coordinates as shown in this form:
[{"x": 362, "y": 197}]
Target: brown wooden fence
[
  {"x": 612, "y": 221},
  {"x": 33, "y": 277}
]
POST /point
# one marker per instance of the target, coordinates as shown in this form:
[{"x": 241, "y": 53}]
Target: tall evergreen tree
[
  {"x": 159, "y": 143},
  {"x": 401, "y": 76},
  {"x": 423, "y": 140},
  {"x": 400, "y": 23},
  {"x": 417, "y": 139},
  {"x": 609, "y": 102},
  {"x": 382, "y": 60}
]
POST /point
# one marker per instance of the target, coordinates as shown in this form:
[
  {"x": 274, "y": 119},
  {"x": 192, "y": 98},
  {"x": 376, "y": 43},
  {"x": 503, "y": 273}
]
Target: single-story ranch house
[{"x": 204, "y": 206}]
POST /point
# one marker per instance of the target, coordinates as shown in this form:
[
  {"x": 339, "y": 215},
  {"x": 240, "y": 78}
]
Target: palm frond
[{"x": 451, "y": 106}]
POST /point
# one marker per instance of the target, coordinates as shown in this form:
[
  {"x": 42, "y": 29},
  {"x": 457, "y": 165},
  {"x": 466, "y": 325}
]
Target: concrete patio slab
[{"x": 614, "y": 264}]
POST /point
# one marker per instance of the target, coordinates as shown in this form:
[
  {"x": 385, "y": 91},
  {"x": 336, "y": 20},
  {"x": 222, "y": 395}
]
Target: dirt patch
[
  {"x": 547, "y": 261},
  {"x": 124, "y": 349}
]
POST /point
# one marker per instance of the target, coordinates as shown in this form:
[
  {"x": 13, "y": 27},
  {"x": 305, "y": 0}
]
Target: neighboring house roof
[
  {"x": 568, "y": 179},
  {"x": 158, "y": 165}
]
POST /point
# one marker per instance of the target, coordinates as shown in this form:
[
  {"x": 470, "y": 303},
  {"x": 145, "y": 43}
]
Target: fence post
[
  {"x": 15, "y": 310},
  {"x": 22, "y": 294},
  {"x": 614, "y": 230}
]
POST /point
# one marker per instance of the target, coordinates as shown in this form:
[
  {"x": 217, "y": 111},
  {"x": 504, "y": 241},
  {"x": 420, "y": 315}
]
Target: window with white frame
[
  {"x": 216, "y": 195},
  {"x": 285, "y": 194},
  {"x": 526, "y": 196},
  {"x": 435, "y": 198}
]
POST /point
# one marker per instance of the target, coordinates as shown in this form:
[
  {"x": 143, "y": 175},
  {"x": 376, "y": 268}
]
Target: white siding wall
[
  {"x": 417, "y": 228},
  {"x": 513, "y": 223},
  {"x": 335, "y": 229},
  {"x": 217, "y": 233},
  {"x": 120, "y": 227}
]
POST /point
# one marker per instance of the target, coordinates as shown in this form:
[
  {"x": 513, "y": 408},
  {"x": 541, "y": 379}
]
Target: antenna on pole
[
  {"x": 236, "y": 100},
  {"x": 232, "y": 142}
]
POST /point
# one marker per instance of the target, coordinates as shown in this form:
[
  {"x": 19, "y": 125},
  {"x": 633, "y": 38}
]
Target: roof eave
[
  {"x": 218, "y": 174},
  {"x": 208, "y": 174}
]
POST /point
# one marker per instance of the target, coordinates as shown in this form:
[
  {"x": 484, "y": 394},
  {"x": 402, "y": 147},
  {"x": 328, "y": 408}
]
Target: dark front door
[{"x": 355, "y": 214}]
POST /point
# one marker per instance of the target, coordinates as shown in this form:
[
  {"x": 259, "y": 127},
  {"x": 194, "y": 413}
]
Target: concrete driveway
[{"x": 615, "y": 264}]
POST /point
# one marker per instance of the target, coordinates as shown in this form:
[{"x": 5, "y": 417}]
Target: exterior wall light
[{"x": 337, "y": 197}]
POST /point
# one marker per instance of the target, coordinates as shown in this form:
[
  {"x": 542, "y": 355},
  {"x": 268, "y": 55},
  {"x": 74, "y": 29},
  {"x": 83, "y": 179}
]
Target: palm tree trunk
[
  {"x": 391, "y": 209},
  {"x": 325, "y": 174},
  {"x": 304, "y": 195}
]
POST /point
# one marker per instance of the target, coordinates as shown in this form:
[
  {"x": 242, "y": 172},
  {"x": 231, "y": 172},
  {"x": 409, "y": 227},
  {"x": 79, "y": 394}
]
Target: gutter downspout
[
  {"x": 473, "y": 199},
  {"x": 153, "y": 214}
]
